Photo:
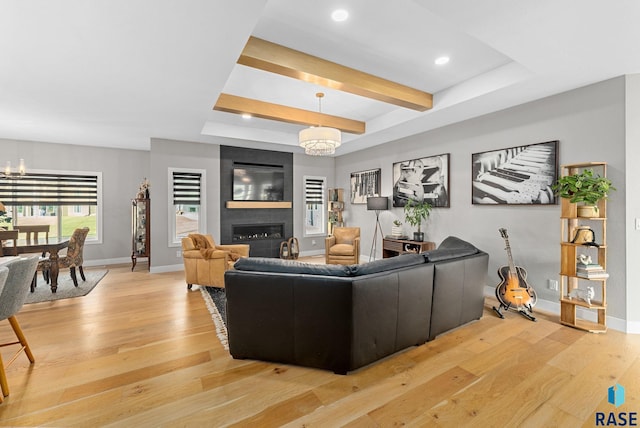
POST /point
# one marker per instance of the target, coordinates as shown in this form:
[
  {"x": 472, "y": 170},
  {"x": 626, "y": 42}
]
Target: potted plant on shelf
[
  {"x": 396, "y": 229},
  {"x": 585, "y": 188},
  {"x": 414, "y": 213}
]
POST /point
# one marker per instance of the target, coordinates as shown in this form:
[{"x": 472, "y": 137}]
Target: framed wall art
[
  {"x": 365, "y": 184},
  {"x": 422, "y": 179},
  {"x": 521, "y": 175}
]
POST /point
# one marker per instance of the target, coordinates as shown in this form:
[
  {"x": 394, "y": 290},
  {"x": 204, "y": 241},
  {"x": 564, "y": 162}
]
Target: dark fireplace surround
[{"x": 262, "y": 228}]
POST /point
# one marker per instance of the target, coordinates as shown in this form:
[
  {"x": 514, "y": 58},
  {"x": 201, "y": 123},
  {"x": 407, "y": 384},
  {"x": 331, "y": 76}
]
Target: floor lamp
[{"x": 377, "y": 204}]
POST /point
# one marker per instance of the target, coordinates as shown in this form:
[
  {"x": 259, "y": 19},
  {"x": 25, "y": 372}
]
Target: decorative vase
[
  {"x": 418, "y": 236},
  {"x": 396, "y": 230},
  {"x": 588, "y": 211}
]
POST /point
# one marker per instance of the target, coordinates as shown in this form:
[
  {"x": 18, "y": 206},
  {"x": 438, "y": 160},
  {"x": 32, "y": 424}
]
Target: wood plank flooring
[{"x": 141, "y": 350}]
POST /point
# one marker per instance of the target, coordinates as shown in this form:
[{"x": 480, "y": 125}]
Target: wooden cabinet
[
  {"x": 140, "y": 231},
  {"x": 575, "y": 306},
  {"x": 335, "y": 204},
  {"x": 395, "y": 247}
]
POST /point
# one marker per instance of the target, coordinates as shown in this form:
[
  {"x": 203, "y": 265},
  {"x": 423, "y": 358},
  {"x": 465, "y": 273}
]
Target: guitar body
[{"x": 513, "y": 290}]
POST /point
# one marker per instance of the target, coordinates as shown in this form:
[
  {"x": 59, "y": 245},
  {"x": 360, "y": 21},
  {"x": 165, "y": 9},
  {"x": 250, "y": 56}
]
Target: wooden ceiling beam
[
  {"x": 235, "y": 104},
  {"x": 278, "y": 59}
]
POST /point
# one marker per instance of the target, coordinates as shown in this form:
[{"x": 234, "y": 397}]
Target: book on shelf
[
  {"x": 590, "y": 266},
  {"x": 592, "y": 275}
]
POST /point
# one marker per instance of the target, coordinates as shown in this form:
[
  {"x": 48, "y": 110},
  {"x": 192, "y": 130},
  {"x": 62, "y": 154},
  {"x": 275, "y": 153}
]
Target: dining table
[{"x": 51, "y": 246}]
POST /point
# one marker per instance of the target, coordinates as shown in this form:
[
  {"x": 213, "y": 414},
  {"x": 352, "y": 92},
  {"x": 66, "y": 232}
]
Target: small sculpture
[
  {"x": 584, "y": 259},
  {"x": 580, "y": 294}
]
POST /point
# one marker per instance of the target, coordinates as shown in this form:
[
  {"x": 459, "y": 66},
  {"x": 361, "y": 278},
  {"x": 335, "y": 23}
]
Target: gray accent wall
[
  {"x": 589, "y": 123},
  {"x": 122, "y": 172}
]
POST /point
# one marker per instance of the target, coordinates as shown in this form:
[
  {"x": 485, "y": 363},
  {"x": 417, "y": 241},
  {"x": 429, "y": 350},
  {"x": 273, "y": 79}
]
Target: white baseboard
[{"x": 554, "y": 308}]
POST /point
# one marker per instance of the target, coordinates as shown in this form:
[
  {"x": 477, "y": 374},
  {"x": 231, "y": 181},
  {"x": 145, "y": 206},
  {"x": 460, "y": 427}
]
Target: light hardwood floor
[{"x": 141, "y": 350}]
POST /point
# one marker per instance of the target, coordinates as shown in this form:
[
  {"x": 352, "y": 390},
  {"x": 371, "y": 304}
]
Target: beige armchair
[
  {"x": 343, "y": 248},
  {"x": 205, "y": 262}
]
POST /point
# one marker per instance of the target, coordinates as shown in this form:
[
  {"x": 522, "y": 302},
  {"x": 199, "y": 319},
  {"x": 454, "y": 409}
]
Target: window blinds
[
  {"x": 49, "y": 189},
  {"x": 186, "y": 188}
]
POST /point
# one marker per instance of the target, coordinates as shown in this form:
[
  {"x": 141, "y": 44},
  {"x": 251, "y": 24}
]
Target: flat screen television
[{"x": 258, "y": 183}]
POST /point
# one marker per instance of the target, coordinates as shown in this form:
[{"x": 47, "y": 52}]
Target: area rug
[
  {"x": 216, "y": 301},
  {"x": 66, "y": 289}
]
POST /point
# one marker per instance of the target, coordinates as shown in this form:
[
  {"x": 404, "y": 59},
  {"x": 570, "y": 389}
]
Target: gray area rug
[
  {"x": 216, "y": 301},
  {"x": 66, "y": 289}
]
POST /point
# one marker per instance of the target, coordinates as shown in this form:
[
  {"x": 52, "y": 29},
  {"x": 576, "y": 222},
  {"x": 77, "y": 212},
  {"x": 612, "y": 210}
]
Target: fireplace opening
[{"x": 253, "y": 232}]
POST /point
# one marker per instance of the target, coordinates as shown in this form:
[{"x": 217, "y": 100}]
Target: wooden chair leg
[
  {"x": 73, "y": 275},
  {"x": 21, "y": 337},
  {"x": 82, "y": 273},
  {"x": 3, "y": 380}
]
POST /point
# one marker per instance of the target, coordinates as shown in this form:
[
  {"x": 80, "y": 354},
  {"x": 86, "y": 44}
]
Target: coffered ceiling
[{"x": 117, "y": 73}]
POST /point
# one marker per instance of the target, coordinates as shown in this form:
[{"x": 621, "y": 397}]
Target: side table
[{"x": 394, "y": 247}]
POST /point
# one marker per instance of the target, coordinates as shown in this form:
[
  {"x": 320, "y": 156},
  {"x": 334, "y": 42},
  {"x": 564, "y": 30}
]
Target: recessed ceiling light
[
  {"x": 339, "y": 15},
  {"x": 442, "y": 60},
  {"x": 246, "y": 116}
]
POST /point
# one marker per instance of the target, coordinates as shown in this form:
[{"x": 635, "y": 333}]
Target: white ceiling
[{"x": 116, "y": 73}]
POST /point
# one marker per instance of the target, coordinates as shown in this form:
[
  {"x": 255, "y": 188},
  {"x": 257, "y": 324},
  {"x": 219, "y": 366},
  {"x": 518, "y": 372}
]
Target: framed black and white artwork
[
  {"x": 422, "y": 179},
  {"x": 365, "y": 184},
  {"x": 521, "y": 175}
]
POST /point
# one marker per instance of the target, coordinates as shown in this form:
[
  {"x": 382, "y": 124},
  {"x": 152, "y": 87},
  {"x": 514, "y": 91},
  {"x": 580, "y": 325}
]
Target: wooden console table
[{"x": 394, "y": 247}]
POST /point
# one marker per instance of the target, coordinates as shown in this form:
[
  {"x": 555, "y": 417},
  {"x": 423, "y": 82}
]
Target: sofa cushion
[
  {"x": 263, "y": 264},
  {"x": 450, "y": 248},
  {"x": 341, "y": 250},
  {"x": 391, "y": 263}
]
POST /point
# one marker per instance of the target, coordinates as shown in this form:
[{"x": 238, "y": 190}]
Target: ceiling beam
[
  {"x": 235, "y": 104},
  {"x": 279, "y": 59}
]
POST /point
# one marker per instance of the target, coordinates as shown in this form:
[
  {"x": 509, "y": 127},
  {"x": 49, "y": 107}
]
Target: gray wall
[
  {"x": 122, "y": 173},
  {"x": 589, "y": 122},
  {"x": 167, "y": 154}
]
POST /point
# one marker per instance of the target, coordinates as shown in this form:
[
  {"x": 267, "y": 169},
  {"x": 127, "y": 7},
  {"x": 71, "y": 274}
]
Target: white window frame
[
  {"x": 323, "y": 209},
  {"x": 99, "y": 211},
  {"x": 202, "y": 218}
]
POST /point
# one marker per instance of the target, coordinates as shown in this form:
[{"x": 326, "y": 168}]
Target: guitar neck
[{"x": 512, "y": 266}]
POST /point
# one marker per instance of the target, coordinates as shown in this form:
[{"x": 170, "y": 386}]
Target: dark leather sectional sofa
[{"x": 341, "y": 318}]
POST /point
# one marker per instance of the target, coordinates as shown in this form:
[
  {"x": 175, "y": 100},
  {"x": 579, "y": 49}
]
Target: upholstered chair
[
  {"x": 343, "y": 247},
  {"x": 12, "y": 296},
  {"x": 72, "y": 260},
  {"x": 205, "y": 262}
]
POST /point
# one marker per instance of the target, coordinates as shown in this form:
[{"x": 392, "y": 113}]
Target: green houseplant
[
  {"x": 586, "y": 188},
  {"x": 396, "y": 229},
  {"x": 414, "y": 213}
]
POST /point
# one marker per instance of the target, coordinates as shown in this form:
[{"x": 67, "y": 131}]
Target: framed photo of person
[
  {"x": 521, "y": 175},
  {"x": 365, "y": 184},
  {"x": 422, "y": 179}
]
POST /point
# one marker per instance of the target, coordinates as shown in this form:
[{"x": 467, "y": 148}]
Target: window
[
  {"x": 187, "y": 211},
  {"x": 63, "y": 200},
  {"x": 315, "y": 209}
]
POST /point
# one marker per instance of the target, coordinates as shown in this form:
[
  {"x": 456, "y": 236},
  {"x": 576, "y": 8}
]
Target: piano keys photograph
[
  {"x": 422, "y": 179},
  {"x": 518, "y": 175},
  {"x": 365, "y": 184}
]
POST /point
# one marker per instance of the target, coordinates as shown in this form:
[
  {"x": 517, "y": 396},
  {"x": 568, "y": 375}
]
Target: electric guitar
[{"x": 514, "y": 292}]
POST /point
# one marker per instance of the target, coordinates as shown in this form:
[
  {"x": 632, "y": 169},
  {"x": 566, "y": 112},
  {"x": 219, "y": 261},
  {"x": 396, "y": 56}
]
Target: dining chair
[
  {"x": 12, "y": 297},
  {"x": 32, "y": 232},
  {"x": 74, "y": 257},
  {"x": 6, "y": 236}
]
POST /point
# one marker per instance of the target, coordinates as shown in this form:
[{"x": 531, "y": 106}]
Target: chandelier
[
  {"x": 320, "y": 140},
  {"x": 8, "y": 173}
]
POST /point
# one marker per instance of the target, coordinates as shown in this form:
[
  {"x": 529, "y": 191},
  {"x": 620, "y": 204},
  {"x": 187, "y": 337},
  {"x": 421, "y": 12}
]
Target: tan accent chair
[
  {"x": 209, "y": 271},
  {"x": 343, "y": 248}
]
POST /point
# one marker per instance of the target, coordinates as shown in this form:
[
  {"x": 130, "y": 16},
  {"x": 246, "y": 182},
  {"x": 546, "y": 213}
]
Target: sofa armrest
[
  {"x": 241, "y": 249},
  {"x": 196, "y": 254}
]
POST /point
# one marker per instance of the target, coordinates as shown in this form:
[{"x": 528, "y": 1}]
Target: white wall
[
  {"x": 632, "y": 154},
  {"x": 588, "y": 122}
]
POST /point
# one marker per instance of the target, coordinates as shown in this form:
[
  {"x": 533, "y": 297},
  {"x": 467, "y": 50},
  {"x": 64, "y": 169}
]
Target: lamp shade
[
  {"x": 319, "y": 140},
  {"x": 378, "y": 203}
]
